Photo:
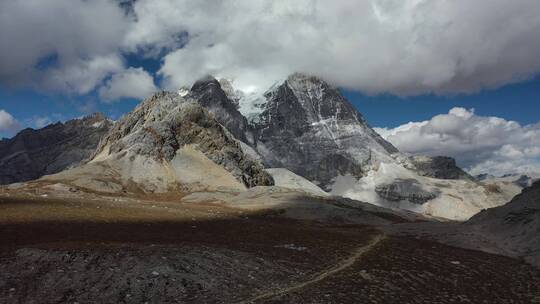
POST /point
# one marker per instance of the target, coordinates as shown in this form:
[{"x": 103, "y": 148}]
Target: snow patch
[
  {"x": 97, "y": 124},
  {"x": 183, "y": 92},
  {"x": 457, "y": 200},
  {"x": 251, "y": 100}
]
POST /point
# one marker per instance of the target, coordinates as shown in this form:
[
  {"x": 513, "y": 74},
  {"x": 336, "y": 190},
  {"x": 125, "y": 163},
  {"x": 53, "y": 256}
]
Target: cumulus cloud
[
  {"x": 131, "y": 83},
  {"x": 82, "y": 76},
  {"x": 8, "y": 124},
  {"x": 60, "y": 45},
  {"x": 480, "y": 144},
  {"x": 403, "y": 47}
]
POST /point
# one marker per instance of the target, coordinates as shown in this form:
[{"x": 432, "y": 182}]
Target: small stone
[{"x": 155, "y": 273}]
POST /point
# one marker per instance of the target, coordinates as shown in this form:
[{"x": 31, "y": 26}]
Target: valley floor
[{"x": 137, "y": 250}]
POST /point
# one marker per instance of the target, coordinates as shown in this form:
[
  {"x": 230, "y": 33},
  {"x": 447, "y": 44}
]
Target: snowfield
[{"x": 455, "y": 199}]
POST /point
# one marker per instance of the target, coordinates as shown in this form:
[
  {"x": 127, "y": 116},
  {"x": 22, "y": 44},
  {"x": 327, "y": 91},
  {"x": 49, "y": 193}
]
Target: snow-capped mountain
[
  {"x": 306, "y": 126},
  {"x": 302, "y": 124}
]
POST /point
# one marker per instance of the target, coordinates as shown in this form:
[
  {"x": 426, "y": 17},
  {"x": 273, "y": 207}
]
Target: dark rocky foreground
[
  {"x": 408, "y": 270},
  {"x": 171, "y": 252}
]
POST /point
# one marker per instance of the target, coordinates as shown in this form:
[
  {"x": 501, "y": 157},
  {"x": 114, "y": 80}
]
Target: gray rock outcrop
[
  {"x": 442, "y": 167},
  {"x": 406, "y": 190},
  {"x": 166, "y": 122}
]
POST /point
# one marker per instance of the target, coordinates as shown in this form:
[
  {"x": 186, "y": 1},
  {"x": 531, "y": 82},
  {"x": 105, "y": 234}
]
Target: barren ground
[{"x": 137, "y": 250}]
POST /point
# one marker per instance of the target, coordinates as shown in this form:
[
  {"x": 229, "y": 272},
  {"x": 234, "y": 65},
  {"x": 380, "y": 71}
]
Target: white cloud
[
  {"x": 131, "y": 83},
  {"x": 402, "y": 47},
  {"x": 83, "y": 76},
  {"x": 60, "y": 45},
  {"x": 480, "y": 144},
  {"x": 8, "y": 124}
]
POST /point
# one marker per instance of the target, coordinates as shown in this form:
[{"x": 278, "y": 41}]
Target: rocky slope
[
  {"x": 287, "y": 179},
  {"x": 34, "y": 153},
  {"x": 511, "y": 229},
  {"x": 515, "y": 227},
  {"x": 167, "y": 143}
]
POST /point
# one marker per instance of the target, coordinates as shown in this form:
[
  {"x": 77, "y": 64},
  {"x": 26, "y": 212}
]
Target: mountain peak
[{"x": 205, "y": 82}]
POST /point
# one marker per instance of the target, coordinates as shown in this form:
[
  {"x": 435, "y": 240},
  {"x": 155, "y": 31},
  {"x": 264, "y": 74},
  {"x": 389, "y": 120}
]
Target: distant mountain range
[{"x": 521, "y": 180}]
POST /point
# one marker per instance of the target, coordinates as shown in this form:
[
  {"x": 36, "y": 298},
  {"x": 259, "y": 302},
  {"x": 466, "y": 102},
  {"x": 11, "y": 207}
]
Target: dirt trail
[{"x": 318, "y": 277}]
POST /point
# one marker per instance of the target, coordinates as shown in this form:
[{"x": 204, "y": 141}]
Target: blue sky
[{"x": 519, "y": 102}]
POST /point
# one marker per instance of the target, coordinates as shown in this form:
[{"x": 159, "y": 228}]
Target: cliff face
[
  {"x": 34, "y": 153},
  {"x": 308, "y": 127}
]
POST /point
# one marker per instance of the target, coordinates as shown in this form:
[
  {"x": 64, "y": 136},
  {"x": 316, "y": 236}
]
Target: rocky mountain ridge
[
  {"x": 164, "y": 123},
  {"x": 34, "y": 153}
]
